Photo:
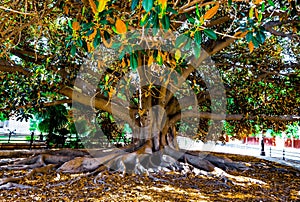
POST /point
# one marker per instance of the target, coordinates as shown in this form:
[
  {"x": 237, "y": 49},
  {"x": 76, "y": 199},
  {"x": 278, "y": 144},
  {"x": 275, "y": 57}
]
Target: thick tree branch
[
  {"x": 269, "y": 26},
  {"x": 7, "y": 67},
  {"x": 215, "y": 47},
  {"x": 98, "y": 103},
  {"x": 28, "y": 56}
]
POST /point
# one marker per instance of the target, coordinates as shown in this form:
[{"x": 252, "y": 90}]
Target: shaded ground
[{"x": 282, "y": 184}]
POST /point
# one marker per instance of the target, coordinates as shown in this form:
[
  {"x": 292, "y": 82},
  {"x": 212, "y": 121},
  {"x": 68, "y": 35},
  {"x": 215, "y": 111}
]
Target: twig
[{"x": 14, "y": 11}]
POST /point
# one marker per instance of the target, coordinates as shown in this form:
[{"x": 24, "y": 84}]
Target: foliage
[
  {"x": 293, "y": 130},
  {"x": 254, "y": 46},
  {"x": 54, "y": 120},
  {"x": 3, "y": 117}
]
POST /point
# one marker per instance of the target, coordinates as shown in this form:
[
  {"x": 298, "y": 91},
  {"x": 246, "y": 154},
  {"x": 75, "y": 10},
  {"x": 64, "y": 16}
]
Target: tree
[
  {"x": 54, "y": 120},
  {"x": 150, "y": 67}
]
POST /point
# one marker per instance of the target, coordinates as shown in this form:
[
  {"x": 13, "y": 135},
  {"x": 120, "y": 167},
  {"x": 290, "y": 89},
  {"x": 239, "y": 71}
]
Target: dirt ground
[{"x": 281, "y": 184}]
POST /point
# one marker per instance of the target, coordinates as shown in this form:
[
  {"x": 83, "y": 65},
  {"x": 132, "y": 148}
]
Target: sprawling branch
[
  {"x": 98, "y": 103},
  {"x": 269, "y": 26},
  {"x": 7, "y": 67},
  {"x": 214, "y": 48},
  {"x": 28, "y": 56}
]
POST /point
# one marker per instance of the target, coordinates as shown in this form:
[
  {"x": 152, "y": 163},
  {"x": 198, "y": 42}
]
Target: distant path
[{"x": 292, "y": 156}]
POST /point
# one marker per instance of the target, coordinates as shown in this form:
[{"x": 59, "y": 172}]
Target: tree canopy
[{"x": 254, "y": 45}]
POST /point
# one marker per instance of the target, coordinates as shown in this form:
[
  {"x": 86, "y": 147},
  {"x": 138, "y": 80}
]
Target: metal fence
[{"x": 13, "y": 140}]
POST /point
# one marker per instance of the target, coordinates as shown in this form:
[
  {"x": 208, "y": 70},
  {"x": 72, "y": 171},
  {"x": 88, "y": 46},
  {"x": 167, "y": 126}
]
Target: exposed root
[
  {"x": 236, "y": 180},
  {"x": 144, "y": 163},
  {"x": 11, "y": 185}
]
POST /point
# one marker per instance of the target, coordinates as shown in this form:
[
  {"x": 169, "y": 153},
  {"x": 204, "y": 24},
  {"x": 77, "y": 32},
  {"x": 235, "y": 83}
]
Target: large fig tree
[{"x": 160, "y": 67}]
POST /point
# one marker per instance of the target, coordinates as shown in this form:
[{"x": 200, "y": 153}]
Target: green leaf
[
  {"x": 271, "y": 2},
  {"x": 103, "y": 22},
  {"x": 255, "y": 42},
  {"x": 133, "y": 61},
  {"x": 89, "y": 32},
  {"x": 260, "y": 16},
  {"x": 211, "y": 34},
  {"x": 111, "y": 118},
  {"x": 198, "y": 38},
  {"x": 190, "y": 19},
  {"x": 147, "y": 5},
  {"x": 87, "y": 26},
  {"x": 165, "y": 21},
  {"x": 70, "y": 24},
  {"x": 106, "y": 78},
  {"x": 197, "y": 51},
  {"x": 261, "y": 37},
  {"x": 180, "y": 40},
  {"x": 155, "y": 22},
  {"x": 249, "y": 36},
  {"x": 107, "y": 36},
  {"x": 116, "y": 45},
  {"x": 134, "y": 3},
  {"x": 68, "y": 38},
  {"x": 73, "y": 50},
  {"x": 122, "y": 54},
  {"x": 197, "y": 11},
  {"x": 263, "y": 7},
  {"x": 144, "y": 19},
  {"x": 79, "y": 42},
  {"x": 188, "y": 44},
  {"x": 97, "y": 39},
  {"x": 229, "y": 2},
  {"x": 171, "y": 10}
]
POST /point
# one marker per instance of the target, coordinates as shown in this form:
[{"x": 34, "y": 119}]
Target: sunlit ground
[{"x": 281, "y": 184}]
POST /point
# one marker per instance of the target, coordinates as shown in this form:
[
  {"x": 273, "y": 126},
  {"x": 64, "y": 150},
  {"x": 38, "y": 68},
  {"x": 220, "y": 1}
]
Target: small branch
[
  {"x": 190, "y": 7},
  {"x": 218, "y": 21},
  {"x": 14, "y": 11},
  {"x": 176, "y": 3}
]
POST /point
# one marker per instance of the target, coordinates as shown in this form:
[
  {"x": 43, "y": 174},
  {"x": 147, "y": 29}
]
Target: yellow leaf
[
  {"x": 75, "y": 25},
  {"x": 240, "y": 34},
  {"x": 251, "y": 46},
  {"x": 111, "y": 92},
  {"x": 93, "y": 6},
  {"x": 251, "y": 12},
  {"x": 211, "y": 12},
  {"x": 123, "y": 63},
  {"x": 177, "y": 54},
  {"x": 257, "y": 1},
  {"x": 66, "y": 10},
  {"x": 121, "y": 26},
  {"x": 150, "y": 60},
  {"x": 256, "y": 13},
  {"x": 89, "y": 47},
  {"x": 163, "y": 4},
  {"x": 101, "y": 6},
  {"x": 159, "y": 58}
]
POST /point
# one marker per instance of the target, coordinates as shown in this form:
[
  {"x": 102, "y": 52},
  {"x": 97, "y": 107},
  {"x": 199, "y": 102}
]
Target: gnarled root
[{"x": 138, "y": 162}]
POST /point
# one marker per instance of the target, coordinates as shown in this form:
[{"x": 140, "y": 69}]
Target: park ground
[{"x": 280, "y": 183}]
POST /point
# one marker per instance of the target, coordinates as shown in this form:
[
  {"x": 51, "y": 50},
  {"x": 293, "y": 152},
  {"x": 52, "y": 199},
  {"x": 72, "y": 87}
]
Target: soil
[{"x": 282, "y": 183}]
